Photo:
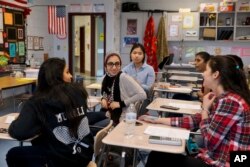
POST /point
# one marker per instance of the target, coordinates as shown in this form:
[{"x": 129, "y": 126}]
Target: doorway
[{"x": 87, "y": 43}]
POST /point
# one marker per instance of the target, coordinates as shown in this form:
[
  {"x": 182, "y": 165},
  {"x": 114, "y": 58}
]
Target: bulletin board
[{"x": 13, "y": 35}]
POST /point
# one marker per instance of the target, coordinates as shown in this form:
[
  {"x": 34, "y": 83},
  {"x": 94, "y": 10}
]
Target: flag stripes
[{"x": 57, "y": 20}]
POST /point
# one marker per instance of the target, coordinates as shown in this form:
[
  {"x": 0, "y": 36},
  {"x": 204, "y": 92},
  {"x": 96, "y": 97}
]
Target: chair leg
[
  {"x": 106, "y": 157},
  {"x": 141, "y": 158},
  {"x": 101, "y": 156}
]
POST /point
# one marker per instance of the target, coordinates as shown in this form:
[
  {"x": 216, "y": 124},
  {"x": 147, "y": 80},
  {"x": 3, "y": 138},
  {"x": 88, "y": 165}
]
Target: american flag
[{"x": 57, "y": 20}]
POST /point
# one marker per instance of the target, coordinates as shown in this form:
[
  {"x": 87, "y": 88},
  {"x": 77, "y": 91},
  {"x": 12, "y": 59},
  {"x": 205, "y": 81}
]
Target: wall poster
[
  {"x": 36, "y": 43},
  {"x": 132, "y": 27},
  {"x": 21, "y": 48},
  {"x": 30, "y": 43},
  {"x": 20, "y": 33},
  {"x": 12, "y": 49}
]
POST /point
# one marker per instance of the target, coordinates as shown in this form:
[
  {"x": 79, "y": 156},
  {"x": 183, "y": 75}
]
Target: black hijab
[{"x": 111, "y": 91}]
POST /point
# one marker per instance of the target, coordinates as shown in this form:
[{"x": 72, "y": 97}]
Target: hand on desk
[
  {"x": 155, "y": 120},
  {"x": 149, "y": 119}
]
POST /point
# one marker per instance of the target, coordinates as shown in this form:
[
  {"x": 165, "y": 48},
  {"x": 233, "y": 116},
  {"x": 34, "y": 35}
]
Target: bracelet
[{"x": 205, "y": 109}]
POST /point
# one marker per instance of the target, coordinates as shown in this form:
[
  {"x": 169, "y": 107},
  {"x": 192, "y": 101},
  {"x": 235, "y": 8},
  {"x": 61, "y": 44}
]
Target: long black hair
[
  {"x": 204, "y": 55},
  {"x": 52, "y": 89},
  {"x": 232, "y": 77}
]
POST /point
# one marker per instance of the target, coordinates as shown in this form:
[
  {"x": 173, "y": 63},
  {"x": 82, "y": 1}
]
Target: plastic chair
[
  {"x": 92, "y": 164},
  {"x": 100, "y": 147},
  {"x": 141, "y": 105},
  {"x": 20, "y": 99}
]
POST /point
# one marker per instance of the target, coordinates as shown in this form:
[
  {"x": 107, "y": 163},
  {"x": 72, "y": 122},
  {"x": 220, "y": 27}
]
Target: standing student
[
  {"x": 56, "y": 116},
  {"x": 223, "y": 121},
  {"x": 138, "y": 68},
  {"x": 118, "y": 89}
]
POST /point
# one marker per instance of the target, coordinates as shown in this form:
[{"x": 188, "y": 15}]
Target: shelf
[
  {"x": 207, "y": 26},
  {"x": 243, "y": 26},
  {"x": 243, "y": 11},
  {"x": 225, "y": 26}
]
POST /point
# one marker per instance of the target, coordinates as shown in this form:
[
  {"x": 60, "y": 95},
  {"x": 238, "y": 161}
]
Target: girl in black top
[{"x": 56, "y": 114}]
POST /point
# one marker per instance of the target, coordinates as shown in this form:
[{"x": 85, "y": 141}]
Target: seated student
[
  {"x": 118, "y": 89},
  {"x": 56, "y": 116},
  {"x": 201, "y": 59},
  {"x": 138, "y": 68},
  {"x": 223, "y": 121},
  {"x": 238, "y": 60}
]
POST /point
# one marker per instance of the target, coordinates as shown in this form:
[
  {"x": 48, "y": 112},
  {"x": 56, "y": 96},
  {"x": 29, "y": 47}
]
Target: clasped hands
[{"x": 113, "y": 105}]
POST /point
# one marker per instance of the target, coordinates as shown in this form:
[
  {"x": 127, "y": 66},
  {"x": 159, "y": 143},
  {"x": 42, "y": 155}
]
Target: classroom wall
[
  {"x": 38, "y": 25},
  {"x": 180, "y": 48}
]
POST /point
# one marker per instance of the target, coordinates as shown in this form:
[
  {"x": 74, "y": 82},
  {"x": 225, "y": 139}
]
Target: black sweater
[{"x": 53, "y": 133}]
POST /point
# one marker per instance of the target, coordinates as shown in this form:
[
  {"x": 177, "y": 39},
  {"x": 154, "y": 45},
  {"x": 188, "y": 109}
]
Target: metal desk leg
[
  {"x": 123, "y": 155},
  {"x": 134, "y": 158}
]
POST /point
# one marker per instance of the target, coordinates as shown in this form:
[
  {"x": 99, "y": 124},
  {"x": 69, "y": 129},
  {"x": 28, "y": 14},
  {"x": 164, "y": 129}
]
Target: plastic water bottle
[{"x": 130, "y": 118}]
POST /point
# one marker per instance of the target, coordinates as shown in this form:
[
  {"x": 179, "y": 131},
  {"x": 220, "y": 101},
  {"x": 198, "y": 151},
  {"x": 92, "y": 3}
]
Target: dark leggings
[
  {"x": 27, "y": 156},
  {"x": 177, "y": 160},
  {"x": 37, "y": 156}
]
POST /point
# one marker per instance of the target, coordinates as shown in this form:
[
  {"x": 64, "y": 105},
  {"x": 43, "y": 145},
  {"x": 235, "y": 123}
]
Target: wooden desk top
[
  {"x": 8, "y": 82},
  {"x": 186, "y": 107},
  {"x": 139, "y": 140}
]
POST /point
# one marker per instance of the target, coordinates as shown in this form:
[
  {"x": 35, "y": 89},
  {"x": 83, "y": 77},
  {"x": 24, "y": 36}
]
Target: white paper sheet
[
  {"x": 167, "y": 132},
  {"x": 10, "y": 119},
  {"x": 186, "y": 106}
]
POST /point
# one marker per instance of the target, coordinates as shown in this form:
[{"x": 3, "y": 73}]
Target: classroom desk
[
  {"x": 5, "y": 125},
  {"x": 139, "y": 140},
  {"x": 169, "y": 89},
  {"x": 184, "y": 78},
  {"x": 8, "y": 82},
  {"x": 182, "y": 72},
  {"x": 95, "y": 87},
  {"x": 186, "y": 107}
]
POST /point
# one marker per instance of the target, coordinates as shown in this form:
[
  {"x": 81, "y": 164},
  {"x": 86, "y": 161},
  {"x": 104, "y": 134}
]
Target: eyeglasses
[{"x": 111, "y": 64}]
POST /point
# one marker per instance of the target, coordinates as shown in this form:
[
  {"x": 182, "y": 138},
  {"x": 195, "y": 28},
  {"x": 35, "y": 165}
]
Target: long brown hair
[{"x": 232, "y": 77}]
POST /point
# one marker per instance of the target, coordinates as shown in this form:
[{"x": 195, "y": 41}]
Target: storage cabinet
[
  {"x": 208, "y": 30},
  {"x": 225, "y": 25},
  {"x": 217, "y": 26},
  {"x": 231, "y": 25},
  {"x": 242, "y": 27}
]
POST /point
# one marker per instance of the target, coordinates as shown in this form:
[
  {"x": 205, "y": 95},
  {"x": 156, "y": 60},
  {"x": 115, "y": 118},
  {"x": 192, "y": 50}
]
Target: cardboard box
[{"x": 209, "y": 34}]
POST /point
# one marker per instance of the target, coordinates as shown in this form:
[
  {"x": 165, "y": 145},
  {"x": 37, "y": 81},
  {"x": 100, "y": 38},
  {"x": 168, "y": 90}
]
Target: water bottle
[{"x": 130, "y": 118}]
